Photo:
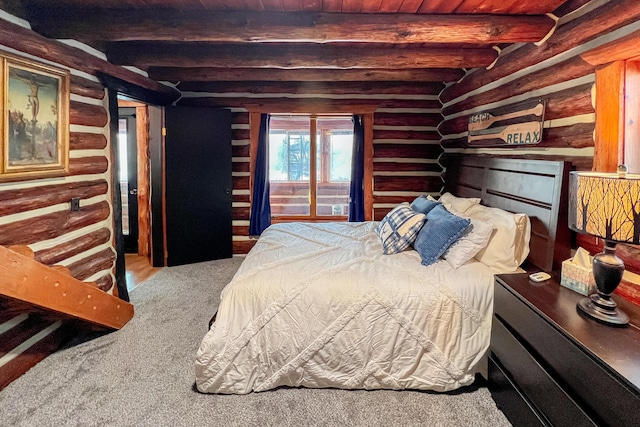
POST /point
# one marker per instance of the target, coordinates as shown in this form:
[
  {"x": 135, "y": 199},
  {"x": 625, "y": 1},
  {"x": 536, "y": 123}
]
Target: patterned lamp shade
[{"x": 605, "y": 205}]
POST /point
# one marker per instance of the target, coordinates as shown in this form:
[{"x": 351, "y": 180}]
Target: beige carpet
[{"x": 143, "y": 375}]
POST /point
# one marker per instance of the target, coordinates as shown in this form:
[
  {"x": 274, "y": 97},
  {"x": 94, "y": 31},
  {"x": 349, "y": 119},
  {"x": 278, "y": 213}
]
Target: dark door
[
  {"x": 128, "y": 175},
  {"x": 198, "y": 184}
]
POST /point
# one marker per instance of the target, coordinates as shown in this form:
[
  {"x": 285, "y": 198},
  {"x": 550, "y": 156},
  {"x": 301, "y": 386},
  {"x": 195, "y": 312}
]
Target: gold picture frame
[{"x": 35, "y": 120}]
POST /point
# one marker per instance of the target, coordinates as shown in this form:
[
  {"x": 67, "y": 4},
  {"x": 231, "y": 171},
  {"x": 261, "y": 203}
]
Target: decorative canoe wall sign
[{"x": 513, "y": 128}]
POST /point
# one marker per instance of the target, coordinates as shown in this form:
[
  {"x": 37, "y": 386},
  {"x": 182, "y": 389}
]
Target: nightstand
[{"x": 550, "y": 365}]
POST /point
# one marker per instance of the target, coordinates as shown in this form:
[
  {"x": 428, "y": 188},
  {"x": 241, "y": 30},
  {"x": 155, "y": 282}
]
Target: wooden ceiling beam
[
  {"x": 309, "y": 88},
  {"x": 242, "y": 27},
  {"x": 202, "y": 74},
  {"x": 21, "y": 39},
  {"x": 290, "y": 56}
]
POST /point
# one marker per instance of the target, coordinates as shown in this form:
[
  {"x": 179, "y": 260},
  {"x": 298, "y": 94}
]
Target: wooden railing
[{"x": 54, "y": 289}]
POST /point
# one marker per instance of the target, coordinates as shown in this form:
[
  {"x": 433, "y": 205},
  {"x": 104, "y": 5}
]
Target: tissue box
[{"x": 577, "y": 278}]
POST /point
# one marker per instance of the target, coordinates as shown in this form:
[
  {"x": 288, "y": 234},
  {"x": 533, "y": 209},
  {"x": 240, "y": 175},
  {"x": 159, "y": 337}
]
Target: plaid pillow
[{"x": 399, "y": 228}]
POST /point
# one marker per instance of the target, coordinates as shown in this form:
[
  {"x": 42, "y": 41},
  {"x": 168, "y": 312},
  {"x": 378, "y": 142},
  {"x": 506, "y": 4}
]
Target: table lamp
[{"x": 605, "y": 205}]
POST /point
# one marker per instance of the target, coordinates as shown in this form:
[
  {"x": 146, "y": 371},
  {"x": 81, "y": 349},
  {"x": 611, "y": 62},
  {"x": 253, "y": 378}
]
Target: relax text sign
[{"x": 522, "y": 127}]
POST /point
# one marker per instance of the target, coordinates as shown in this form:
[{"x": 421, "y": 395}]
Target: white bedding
[{"x": 319, "y": 305}]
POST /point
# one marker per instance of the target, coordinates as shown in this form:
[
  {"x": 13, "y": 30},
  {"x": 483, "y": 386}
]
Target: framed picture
[{"x": 35, "y": 120}]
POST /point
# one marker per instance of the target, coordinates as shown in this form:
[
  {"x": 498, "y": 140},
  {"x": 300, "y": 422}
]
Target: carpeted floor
[{"x": 143, "y": 375}]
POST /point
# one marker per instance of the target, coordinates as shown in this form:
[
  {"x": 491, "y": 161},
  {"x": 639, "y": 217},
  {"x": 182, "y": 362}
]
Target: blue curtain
[
  {"x": 356, "y": 192},
  {"x": 260, "y": 207}
]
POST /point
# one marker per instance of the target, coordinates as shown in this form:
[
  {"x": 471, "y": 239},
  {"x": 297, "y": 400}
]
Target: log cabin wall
[
  {"x": 553, "y": 71},
  {"x": 37, "y": 213},
  {"x": 405, "y": 140}
]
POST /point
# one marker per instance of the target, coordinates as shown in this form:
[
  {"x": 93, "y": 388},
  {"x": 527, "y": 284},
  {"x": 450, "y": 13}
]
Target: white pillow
[
  {"x": 470, "y": 244},
  {"x": 459, "y": 204},
  {"x": 508, "y": 245}
]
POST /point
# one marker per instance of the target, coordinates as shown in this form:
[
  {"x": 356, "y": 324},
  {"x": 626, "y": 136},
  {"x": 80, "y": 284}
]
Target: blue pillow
[
  {"x": 441, "y": 229},
  {"x": 423, "y": 205}
]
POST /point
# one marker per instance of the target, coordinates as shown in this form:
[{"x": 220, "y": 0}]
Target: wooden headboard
[{"x": 537, "y": 188}]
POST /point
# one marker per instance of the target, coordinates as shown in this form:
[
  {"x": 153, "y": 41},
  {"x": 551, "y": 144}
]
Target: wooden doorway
[{"x": 135, "y": 195}]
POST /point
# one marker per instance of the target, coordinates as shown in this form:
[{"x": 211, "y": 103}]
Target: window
[{"x": 310, "y": 166}]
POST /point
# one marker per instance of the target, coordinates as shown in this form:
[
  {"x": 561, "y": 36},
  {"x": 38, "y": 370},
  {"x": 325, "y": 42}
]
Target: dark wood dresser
[{"x": 550, "y": 365}]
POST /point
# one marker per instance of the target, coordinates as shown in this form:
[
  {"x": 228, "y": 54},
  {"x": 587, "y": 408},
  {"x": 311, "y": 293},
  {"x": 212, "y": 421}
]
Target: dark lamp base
[
  {"x": 603, "y": 310},
  {"x": 607, "y": 272}
]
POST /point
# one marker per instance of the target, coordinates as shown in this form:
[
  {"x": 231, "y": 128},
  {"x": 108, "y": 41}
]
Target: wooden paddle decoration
[
  {"x": 520, "y": 133},
  {"x": 484, "y": 120}
]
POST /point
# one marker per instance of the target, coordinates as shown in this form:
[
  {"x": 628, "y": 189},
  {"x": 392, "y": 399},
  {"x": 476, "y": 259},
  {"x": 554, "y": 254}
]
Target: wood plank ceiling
[{"x": 297, "y": 40}]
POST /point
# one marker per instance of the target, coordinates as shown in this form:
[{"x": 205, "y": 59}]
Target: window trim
[
  {"x": 617, "y": 103},
  {"x": 317, "y": 108}
]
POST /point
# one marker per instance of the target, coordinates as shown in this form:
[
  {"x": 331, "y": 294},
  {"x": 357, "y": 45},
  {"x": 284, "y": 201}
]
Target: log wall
[
  {"x": 553, "y": 71},
  {"x": 405, "y": 139},
  {"x": 37, "y": 213}
]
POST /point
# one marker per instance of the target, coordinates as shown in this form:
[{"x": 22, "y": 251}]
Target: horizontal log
[
  {"x": 460, "y": 142},
  {"x": 241, "y": 213},
  {"x": 13, "y": 201},
  {"x": 569, "y": 6},
  {"x": 288, "y": 56},
  {"x": 407, "y": 119},
  {"x": 574, "y": 33},
  {"x": 579, "y": 135},
  {"x": 567, "y": 70},
  {"x": 73, "y": 247},
  {"x": 409, "y": 151},
  {"x": 240, "y": 118},
  {"x": 241, "y": 198},
  {"x": 240, "y": 182},
  {"x": 84, "y": 87},
  {"x": 406, "y": 167},
  {"x": 243, "y": 246},
  {"x": 240, "y": 166},
  {"x": 52, "y": 225},
  {"x": 240, "y": 150},
  {"x": 569, "y": 102},
  {"x": 618, "y": 50},
  {"x": 308, "y": 88},
  {"x": 406, "y": 134},
  {"x": 240, "y": 134},
  {"x": 88, "y": 165},
  {"x": 407, "y": 183},
  {"x": 566, "y": 103},
  {"x": 240, "y": 230},
  {"x": 87, "y": 141},
  {"x": 93, "y": 264},
  {"x": 243, "y": 27},
  {"x": 392, "y": 199},
  {"x": 380, "y": 213},
  {"x": 24, "y": 40},
  {"x": 201, "y": 74},
  {"x": 87, "y": 114},
  {"x": 105, "y": 283},
  {"x": 309, "y": 104},
  {"x": 453, "y": 126}
]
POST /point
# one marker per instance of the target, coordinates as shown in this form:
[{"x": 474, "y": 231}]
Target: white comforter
[{"x": 319, "y": 305}]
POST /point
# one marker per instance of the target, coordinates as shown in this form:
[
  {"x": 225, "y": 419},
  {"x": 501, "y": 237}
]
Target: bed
[{"x": 320, "y": 305}]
